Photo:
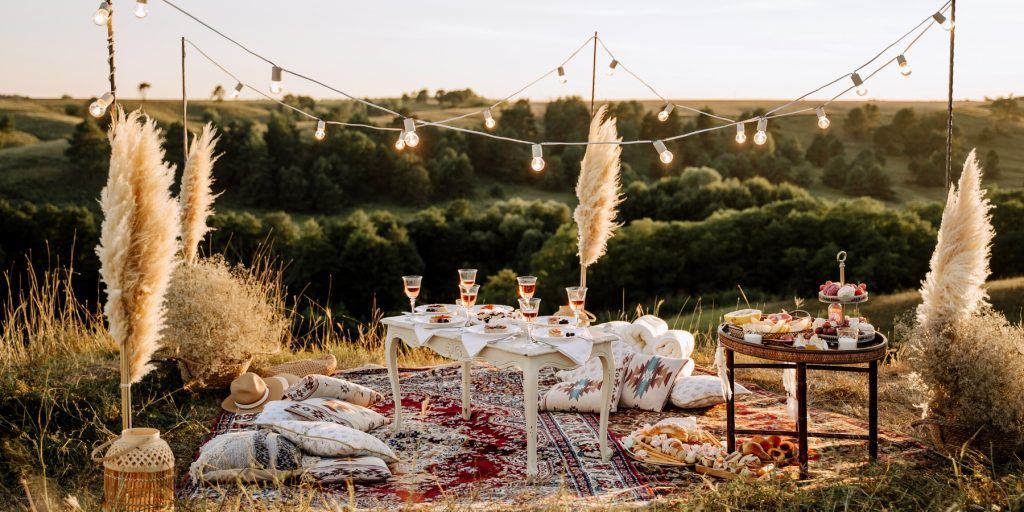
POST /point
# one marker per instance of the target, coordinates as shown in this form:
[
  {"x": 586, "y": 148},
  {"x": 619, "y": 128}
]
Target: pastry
[
  {"x": 555, "y": 332},
  {"x": 495, "y": 328},
  {"x": 435, "y": 308},
  {"x": 441, "y": 319}
]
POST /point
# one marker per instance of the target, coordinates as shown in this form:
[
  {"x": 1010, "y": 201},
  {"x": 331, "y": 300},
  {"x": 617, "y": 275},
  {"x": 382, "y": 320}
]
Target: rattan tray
[{"x": 863, "y": 354}]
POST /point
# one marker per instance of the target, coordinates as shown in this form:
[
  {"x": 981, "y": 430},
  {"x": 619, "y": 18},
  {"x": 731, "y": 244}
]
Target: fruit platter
[
  {"x": 828, "y": 330},
  {"x": 841, "y": 293},
  {"x": 781, "y": 328}
]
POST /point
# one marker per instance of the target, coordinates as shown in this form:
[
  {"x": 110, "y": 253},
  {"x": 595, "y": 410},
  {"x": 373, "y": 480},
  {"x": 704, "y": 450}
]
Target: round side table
[{"x": 802, "y": 360}]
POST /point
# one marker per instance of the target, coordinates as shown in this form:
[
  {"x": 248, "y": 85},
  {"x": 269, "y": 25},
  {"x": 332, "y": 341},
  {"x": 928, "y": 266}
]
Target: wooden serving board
[{"x": 721, "y": 473}]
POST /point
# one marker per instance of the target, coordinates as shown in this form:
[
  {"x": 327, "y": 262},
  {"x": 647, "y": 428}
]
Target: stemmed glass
[
  {"x": 577, "y": 298},
  {"x": 467, "y": 276},
  {"x": 412, "y": 289},
  {"x": 527, "y": 286},
  {"x": 529, "y": 308},
  {"x": 467, "y": 294}
]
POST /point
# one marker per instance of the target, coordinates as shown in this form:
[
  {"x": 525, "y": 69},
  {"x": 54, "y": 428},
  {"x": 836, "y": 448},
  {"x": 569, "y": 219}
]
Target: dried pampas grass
[
  {"x": 598, "y": 190},
  {"x": 954, "y": 288},
  {"x": 138, "y": 240},
  {"x": 196, "y": 192}
]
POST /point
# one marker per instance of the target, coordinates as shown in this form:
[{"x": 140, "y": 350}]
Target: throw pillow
[
  {"x": 326, "y": 439},
  {"x": 592, "y": 368},
  {"x": 583, "y": 395},
  {"x": 337, "y": 411},
  {"x": 322, "y": 386},
  {"x": 252, "y": 455},
  {"x": 362, "y": 469},
  {"x": 648, "y": 380},
  {"x": 701, "y": 391},
  {"x": 275, "y": 410}
]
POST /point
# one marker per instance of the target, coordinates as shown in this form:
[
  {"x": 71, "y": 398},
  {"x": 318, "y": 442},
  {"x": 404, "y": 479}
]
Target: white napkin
[
  {"x": 474, "y": 342},
  {"x": 723, "y": 371},
  {"x": 789, "y": 382},
  {"x": 578, "y": 349},
  {"x": 424, "y": 333}
]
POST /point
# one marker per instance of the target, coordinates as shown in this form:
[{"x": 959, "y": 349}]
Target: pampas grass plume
[
  {"x": 598, "y": 189},
  {"x": 138, "y": 239},
  {"x": 196, "y": 192}
]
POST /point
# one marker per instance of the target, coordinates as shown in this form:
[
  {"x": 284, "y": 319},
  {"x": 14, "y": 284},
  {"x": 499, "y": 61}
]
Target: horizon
[{"x": 517, "y": 49}]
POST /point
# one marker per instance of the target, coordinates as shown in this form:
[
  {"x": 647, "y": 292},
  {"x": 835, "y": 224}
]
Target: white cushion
[
  {"x": 583, "y": 395},
  {"x": 337, "y": 411},
  {"x": 252, "y": 455},
  {"x": 322, "y": 386},
  {"x": 326, "y": 439},
  {"x": 648, "y": 379},
  {"x": 592, "y": 368},
  {"x": 276, "y": 410},
  {"x": 361, "y": 469},
  {"x": 701, "y": 391}
]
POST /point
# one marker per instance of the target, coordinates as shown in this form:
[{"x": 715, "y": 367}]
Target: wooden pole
[
  {"x": 110, "y": 54},
  {"x": 593, "y": 77},
  {"x": 184, "y": 106},
  {"x": 949, "y": 97}
]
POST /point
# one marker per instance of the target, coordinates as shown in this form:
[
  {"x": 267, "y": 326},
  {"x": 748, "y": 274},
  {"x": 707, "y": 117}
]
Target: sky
[{"x": 777, "y": 49}]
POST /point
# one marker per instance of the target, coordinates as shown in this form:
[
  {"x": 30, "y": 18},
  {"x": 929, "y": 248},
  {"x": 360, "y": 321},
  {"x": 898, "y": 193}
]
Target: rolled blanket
[
  {"x": 634, "y": 336},
  {"x": 656, "y": 325},
  {"x": 675, "y": 344}
]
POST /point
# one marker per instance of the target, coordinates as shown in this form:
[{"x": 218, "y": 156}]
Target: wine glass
[
  {"x": 467, "y": 276},
  {"x": 467, "y": 294},
  {"x": 577, "y": 298},
  {"x": 529, "y": 307},
  {"x": 412, "y": 289},
  {"x": 527, "y": 286}
]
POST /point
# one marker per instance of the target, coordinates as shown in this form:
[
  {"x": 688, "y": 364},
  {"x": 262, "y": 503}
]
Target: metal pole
[
  {"x": 184, "y": 105},
  {"x": 949, "y": 97},
  {"x": 593, "y": 77}
]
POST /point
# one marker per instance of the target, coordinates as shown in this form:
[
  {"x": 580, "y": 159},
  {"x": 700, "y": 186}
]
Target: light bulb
[
  {"x": 489, "y": 121},
  {"x": 857, "y": 81},
  {"x": 321, "y": 130},
  {"x": 400, "y": 143},
  {"x": 102, "y": 14},
  {"x": 762, "y": 132},
  {"x": 275, "y": 80},
  {"x": 663, "y": 153},
  {"x": 823, "y": 121},
  {"x": 537, "y": 163},
  {"x": 561, "y": 75},
  {"x": 943, "y": 21},
  {"x": 237, "y": 91},
  {"x": 140, "y": 9},
  {"x": 663, "y": 115},
  {"x": 99, "y": 107},
  {"x": 411, "y": 139},
  {"x": 611, "y": 67},
  {"x": 741, "y": 134},
  {"x": 904, "y": 66}
]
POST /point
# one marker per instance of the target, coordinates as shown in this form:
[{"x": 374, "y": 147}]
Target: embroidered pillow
[
  {"x": 337, "y": 411},
  {"x": 325, "y": 439},
  {"x": 362, "y": 469},
  {"x": 275, "y": 410},
  {"x": 648, "y": 380},
  {"x": 322, "y": 386},
  {"x": 592, "y": 368},
  {"x": 252, "y": 455},
  {"x": 701, "y": 391},
  {"x": 584, "y": 395}
]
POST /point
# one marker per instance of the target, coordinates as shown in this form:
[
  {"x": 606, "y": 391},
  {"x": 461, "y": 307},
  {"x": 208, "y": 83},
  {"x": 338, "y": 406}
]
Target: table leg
[
  {"x": 873, "y": 410},
  {"x": 608, "y": 370},
  {"x": 530, "y": 404},
  {"x": 391, "y": 353},
  {"x": 801, "y": 420},
  {"x": 730, "y": 403},
  {"x": 467, "y": 377}
]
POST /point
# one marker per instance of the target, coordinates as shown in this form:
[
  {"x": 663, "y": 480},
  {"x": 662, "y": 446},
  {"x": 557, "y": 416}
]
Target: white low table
[{"x": 518, "y": 352}]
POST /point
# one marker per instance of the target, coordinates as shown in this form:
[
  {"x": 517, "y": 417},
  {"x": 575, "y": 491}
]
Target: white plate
[
  {"x": 496, "y": 307},
  {"x": 541, "y": 334},
  {"x": 479, "y": 329},
  {"x": 424, "y": 320},
  {"x": 450, "y": 308},
  {"x": 542, "y": 321}
]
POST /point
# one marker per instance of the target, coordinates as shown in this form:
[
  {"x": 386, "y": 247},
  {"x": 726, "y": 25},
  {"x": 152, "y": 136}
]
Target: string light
[
  {"x": 537, "y": 164},
  {"x": 741, "y": 133},
  {"x": 904, "y": 66},
  {"x": 489, "y": 121},
  {"x": 238, "y": 91},
  {"x": 762, "y": 134},
  {"x": 943, "y": 21},
  {"x": 857, "y": 81},
  {"x": 823, "y": 121},
  {"x": 321, "y": 130},
  {"x": 611, "y": 67},
  {"x": 275, "y": 81},
  {"x": 140, "y": 9},
  {"x": 663, "y": 153},
  {"x": 102, "y": 14},
  {"x": 663, "y": 115},
  {"x": 561, "y": 75},
  {"x": 411, "y": 139},
  {"x": 400, "y": 143},
  {"x": 99, "y": 107}
]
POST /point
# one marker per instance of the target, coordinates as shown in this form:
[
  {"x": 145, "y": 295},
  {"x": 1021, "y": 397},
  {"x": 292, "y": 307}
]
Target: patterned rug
[{"x": 483, "y": 460}]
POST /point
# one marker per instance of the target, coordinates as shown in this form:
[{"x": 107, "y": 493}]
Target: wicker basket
[
  {"x": 320, "y": 366},
  {"x": 951, "y": 438},
  {"x": 199, "y": 376},
  {"x": 138, "y": 471}
]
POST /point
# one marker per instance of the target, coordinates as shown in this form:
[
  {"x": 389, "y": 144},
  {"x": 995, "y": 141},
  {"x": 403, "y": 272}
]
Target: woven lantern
[{"x": 138, "y": 472}]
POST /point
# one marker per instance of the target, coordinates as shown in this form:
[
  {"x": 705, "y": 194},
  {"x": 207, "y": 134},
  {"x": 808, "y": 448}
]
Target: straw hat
[{"x": 249, "y": 393}]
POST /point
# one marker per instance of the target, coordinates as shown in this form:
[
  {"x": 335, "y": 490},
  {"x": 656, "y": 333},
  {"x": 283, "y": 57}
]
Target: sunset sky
[{"x": 735, "y": 49}]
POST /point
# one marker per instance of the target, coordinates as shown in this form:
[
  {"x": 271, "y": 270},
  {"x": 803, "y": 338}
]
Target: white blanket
[
  {"x": 648, "y": 335},
  {"x": 674, "y": 344}
]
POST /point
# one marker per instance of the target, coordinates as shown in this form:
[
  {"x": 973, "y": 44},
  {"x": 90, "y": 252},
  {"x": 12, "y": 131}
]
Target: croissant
[
  {"x": 752, "y": 448},
  {"x": 777, "y": 455},
  {"x": 789, "y": 448}
]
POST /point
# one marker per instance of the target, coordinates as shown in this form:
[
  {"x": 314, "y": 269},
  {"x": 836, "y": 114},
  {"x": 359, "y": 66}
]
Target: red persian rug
[{"x": 482, "y": 460}]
